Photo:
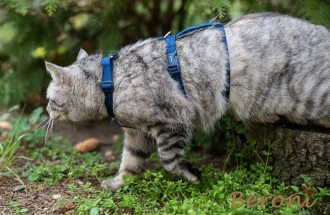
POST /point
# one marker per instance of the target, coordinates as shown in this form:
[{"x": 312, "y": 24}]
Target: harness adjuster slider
[
  {"x": 173, "y": 63},
  {"x": 173, "y": 70},
  {"x": 107, "y": 86}
]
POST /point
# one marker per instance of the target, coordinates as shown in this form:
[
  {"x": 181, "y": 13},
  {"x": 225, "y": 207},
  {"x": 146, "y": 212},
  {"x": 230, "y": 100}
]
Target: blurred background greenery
[{"x": 32, "y": 31}]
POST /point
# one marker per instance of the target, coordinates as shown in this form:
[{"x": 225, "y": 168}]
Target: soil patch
[{"x": 77, "y": 132}]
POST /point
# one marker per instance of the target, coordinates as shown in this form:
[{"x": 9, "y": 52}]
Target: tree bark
[{"x": 297, "y": 150}]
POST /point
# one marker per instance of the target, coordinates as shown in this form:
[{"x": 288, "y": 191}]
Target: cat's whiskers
[
  {"x": 38, "y": 128},
  {"x": 49, "y": 125},
  {"x": 43, "y": 127},
  {"x": 46, "y": 126},
  {"x": 51, "y": 128}
]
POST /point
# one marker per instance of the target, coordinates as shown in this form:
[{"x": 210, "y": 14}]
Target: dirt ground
[
  {"x": 39, "y": 197},
  {"x": 76, "y": 132}
]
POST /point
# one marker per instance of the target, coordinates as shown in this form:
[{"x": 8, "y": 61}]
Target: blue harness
[{"x": 173, "y": 66}]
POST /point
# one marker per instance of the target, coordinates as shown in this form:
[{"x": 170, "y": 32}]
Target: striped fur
[{"x": 280, "y": 68}]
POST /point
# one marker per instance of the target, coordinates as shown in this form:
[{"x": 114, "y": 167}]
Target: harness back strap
[
  {"x": 170, "y": 41},
  {"x": 173, "y": 65}
]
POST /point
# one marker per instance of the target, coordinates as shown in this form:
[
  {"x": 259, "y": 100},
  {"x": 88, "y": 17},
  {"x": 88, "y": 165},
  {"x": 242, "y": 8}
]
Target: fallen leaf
[
  {"x": 87, "y": 145},
  {"x": 18, "y": 188},
  {"x": 65, "y": 207}
]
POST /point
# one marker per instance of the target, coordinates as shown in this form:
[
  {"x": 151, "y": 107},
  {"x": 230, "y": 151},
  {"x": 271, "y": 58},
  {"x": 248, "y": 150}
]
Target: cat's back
[
  {"x": 280, "y": 66},
  {"x": 275, "y": 40},
  {"x": 266, "y": 20},
  {"x": 270, "y": 30}
]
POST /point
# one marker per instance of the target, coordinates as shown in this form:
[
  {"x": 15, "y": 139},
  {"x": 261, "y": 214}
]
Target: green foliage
[
  {"x": 315, "y": 11},
  {"x": 19, "y": 6},
  {"x": 217, "y": 5},
  {"x": 8, "y": 152},
  {"x": 162, "y": 193},
  {"x": 76, "y": 165},
  {"x": 51, "y": 5},
  {"x": 10, "y": 147},
  {"x": 16, "y": 206},
  {"x": 21, "y": 132}
]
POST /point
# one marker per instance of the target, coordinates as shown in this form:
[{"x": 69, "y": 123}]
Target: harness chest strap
[
  {"x": 107, "y": 83},
  {"x": 173, "y": 66}
]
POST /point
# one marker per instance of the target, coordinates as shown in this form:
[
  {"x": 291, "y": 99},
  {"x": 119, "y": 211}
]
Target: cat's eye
[{"x": 56, "y": 103}]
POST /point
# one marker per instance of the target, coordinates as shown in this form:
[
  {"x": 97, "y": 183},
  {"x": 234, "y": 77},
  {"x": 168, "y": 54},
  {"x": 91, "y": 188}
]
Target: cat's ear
[
  {"x": 55, "y": 71},
  {"x": 82, "y": 54}
]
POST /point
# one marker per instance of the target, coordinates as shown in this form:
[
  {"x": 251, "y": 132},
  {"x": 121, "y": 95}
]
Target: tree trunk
[{"x": 297, "y": 150}]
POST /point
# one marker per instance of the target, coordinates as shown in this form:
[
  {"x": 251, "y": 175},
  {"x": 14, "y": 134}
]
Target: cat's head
[{"x": 75, "y": 92}]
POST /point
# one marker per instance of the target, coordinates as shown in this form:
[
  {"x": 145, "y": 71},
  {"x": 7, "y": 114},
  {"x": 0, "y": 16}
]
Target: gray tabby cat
[{"x": 280, "y": 67}]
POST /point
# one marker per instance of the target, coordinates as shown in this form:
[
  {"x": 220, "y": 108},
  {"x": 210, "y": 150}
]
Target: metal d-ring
[{"x": 167, "y": 34}]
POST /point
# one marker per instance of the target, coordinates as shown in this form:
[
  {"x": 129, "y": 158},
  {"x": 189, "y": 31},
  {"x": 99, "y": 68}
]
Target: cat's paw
[
  {"x": 190, "y": 172},
  {"x": 112, "y": 183}
]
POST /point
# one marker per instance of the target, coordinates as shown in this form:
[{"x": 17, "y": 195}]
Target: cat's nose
[{"x": 48, "y": 109}]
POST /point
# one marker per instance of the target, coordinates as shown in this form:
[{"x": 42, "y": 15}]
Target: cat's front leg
[
  {"x": 171, "y": 142},
  {"x": 137, "y": 148}
]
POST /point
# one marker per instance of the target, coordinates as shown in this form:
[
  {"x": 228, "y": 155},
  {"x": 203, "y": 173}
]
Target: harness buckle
[
  {"x": 173, "y": 63},
  {"x": 107, "y": 86}
]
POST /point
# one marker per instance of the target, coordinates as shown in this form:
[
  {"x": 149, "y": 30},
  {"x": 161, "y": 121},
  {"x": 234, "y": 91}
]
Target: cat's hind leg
[
  {"x": 137, "y": 148},
  {"x": 171, "y": 142}
]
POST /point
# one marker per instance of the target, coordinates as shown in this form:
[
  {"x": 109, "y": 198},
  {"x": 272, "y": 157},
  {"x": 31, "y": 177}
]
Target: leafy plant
[
  {"x": 51, "y": 5},
  {"x": 21, "y": 131},
  {"x": 16, "y": 206},
  {"x": 76, "y": 165},
  {"x": 9, "y": 147},
  {"x": 162, "y": 193}
]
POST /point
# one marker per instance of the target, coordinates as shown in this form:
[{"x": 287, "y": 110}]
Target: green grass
[
  {"x": 10, "y": 146},
  {"x": 155, "y": 191},
  {"x": 158, "y": 192},
  {"x": 71, "y": 164},
  {"x": 8, "y": 151}
]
